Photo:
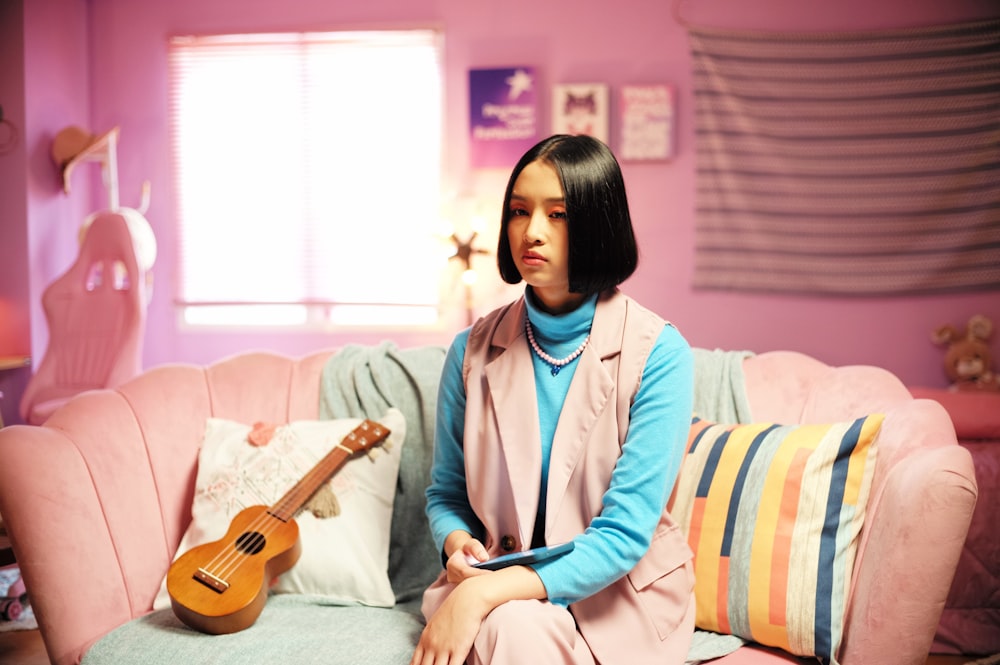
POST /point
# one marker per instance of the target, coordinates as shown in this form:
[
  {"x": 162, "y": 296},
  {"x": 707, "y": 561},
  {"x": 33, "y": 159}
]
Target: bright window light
[{"x": 308, "y": 177}]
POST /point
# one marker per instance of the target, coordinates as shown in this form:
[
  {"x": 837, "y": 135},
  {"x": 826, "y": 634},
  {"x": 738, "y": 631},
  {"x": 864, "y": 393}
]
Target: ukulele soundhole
[{"x": 251, "y": 542}]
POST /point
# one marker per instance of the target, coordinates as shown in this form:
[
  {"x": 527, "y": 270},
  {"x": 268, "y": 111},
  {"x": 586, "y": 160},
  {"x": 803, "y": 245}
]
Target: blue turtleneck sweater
[{"x": 643, "y": 478}]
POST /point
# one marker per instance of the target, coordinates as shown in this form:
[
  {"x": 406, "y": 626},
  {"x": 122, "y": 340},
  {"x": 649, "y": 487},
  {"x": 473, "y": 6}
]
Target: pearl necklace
[{"x": 555, "y": 363}]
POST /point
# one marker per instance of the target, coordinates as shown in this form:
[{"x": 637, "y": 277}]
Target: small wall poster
[
  {"x": 647, "y": 117},
  {"x": 503, "y": 115},
  {"x": 581, "y": 108}
]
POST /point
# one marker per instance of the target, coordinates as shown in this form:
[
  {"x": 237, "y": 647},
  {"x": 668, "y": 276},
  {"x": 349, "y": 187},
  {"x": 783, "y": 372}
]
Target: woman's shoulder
[
  {"x": 671, "y": 339},
  {"x": 670, "y": 335},
  {"x": 671, "y": 349},
  {"x": 459, "y": 342}
]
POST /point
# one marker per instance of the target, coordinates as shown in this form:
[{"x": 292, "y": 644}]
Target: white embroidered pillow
[{"x": 345, "y": 557}]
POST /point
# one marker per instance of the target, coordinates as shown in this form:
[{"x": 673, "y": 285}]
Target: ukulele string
[
  {"x": 226, "y": 562},
  {"x": 232, "y": 559},
  {"x": 229, "y": 560}
]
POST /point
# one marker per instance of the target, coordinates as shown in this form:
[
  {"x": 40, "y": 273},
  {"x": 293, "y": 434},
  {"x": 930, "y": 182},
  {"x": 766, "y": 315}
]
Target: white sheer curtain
[{"x": 308, "y": 169}]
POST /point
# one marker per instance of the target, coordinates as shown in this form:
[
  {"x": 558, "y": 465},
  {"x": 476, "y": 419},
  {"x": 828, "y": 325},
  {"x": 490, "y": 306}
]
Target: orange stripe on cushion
[{"x": 707, "y": 566}]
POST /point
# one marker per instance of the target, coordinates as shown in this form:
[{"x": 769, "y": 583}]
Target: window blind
[{"x": 307, "y": 168}]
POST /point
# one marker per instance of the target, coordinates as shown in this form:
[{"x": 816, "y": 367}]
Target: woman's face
[{"x": 538, "y": 232}]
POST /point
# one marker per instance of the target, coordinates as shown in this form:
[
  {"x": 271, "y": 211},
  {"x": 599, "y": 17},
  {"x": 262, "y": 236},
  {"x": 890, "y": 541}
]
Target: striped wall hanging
[{"x": 862, "y": 163}]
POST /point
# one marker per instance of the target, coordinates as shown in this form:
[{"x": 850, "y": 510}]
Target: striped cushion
[{"x": 773, "y": 514}]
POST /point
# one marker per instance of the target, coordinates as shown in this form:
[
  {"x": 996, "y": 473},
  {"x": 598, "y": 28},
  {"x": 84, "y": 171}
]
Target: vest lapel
[
  {"x": 511, "y": 381},
  {"x": 592, "y": 388}
]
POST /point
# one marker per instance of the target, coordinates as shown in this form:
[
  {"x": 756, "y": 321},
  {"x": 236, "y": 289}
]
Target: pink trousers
[
  {"x": 536, "y": 631},
  {"x": 530, "y": 631}
]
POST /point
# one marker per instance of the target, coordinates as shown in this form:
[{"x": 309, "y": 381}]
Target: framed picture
[
  {"x": 581, "y": 108},
  {"x": 503, "y": 115},
  {"x": 647, "y": 122}
]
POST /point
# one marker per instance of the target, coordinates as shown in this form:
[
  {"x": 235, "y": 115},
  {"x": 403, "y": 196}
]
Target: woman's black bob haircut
[{"x": 602, "y": 247}]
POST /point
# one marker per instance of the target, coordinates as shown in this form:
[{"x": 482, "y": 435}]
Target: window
[{"x": 307, "y": 169}]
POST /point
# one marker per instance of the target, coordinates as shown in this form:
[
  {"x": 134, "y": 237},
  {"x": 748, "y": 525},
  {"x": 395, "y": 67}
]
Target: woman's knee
[{"x": 532, "y": 630}]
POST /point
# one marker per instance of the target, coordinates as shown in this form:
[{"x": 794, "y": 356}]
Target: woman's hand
[
  {"x": 459, "y": 565},
  {"x": 450, "y": 633}
]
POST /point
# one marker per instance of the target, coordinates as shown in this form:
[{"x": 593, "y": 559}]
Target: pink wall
[
  {"x": 57, "y": 94},
  {"x": 14, "y": 320},
  {"x": 15, "y": 330},
  {"x": 43, "y": 86},
  {"x": 568, "y": 41}
]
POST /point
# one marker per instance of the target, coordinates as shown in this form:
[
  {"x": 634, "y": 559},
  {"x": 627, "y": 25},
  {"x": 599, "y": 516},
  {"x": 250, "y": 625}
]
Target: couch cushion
[
  {"x": 291, "y": 629},
  {"x": 345, "y": 541},
  {"x": 773, "y": 514}
]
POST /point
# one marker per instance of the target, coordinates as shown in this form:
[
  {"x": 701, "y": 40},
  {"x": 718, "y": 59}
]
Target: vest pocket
[{"x": 663, "y": 580}]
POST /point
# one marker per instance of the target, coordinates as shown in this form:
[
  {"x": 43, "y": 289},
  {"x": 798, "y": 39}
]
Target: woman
[{"x": 562, "y": 417}]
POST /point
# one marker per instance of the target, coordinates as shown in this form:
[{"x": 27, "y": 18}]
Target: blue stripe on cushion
[
  {"x": 828, "y": 540},
  {"x": 741, "y": 478},
  {"x": 711, "y": 464},
  {"x": 698, "y": 437}
]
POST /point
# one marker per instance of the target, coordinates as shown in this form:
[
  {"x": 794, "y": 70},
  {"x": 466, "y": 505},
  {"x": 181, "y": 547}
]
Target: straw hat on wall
[{"x": 74, "y": 143}]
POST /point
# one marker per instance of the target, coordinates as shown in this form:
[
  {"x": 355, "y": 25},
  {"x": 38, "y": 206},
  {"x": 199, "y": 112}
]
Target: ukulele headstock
[{"x": 365, "y": 436}]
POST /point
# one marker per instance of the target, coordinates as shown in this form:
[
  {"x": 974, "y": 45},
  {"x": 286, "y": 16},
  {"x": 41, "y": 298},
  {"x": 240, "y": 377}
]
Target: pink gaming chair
[{"x": 96, "y": 312}]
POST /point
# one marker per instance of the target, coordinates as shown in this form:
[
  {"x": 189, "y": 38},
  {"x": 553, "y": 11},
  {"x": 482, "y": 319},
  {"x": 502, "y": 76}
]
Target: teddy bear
[{"x": 967, "y": 360}]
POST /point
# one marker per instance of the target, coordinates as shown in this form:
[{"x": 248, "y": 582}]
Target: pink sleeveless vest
[{"x": 634, "y": 620}]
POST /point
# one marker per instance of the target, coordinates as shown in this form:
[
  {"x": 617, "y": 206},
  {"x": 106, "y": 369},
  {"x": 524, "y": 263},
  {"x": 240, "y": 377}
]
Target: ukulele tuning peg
[{"x": 375, "y": 452}]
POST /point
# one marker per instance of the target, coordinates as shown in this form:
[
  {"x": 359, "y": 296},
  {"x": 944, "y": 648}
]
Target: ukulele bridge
[{"x": 213, "y": 582}]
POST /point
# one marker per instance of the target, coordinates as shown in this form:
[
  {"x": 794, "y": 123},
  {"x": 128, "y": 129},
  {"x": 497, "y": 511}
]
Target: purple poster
[{"x": 503, "y": 115}]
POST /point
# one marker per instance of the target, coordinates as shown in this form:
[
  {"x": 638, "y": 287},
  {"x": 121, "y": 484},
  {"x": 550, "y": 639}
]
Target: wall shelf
[{"x": 14, "y": 362}]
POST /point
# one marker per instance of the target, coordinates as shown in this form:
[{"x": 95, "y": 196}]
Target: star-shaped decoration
[
  {"x": 464, "y": 250},
  {"x": 519, "y": 83}
]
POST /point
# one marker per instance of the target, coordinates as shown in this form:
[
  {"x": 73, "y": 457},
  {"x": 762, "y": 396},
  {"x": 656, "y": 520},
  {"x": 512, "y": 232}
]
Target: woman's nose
[{"x": 534, "y": 231}]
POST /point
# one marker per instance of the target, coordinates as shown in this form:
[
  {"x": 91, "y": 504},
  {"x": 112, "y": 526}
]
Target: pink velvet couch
[
  {"x": 970, "y": 623},
  {"x": 97, "y": 499}
]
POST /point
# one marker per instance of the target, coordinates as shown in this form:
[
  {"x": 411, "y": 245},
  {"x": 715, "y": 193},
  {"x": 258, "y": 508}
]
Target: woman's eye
[
  {"x": 558, "y": 214},
  {"x": 518, "y": 212}
]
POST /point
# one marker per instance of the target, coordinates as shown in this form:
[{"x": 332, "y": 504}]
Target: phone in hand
[{"x": 528, "y": 556}]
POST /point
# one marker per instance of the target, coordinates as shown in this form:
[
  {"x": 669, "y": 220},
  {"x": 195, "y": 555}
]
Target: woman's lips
[{"x": 532, "y": 259}]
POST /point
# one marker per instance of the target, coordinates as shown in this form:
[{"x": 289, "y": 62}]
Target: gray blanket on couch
[
  {"x": 719, "y": 389},
  {"x": 364, "y": 381}
]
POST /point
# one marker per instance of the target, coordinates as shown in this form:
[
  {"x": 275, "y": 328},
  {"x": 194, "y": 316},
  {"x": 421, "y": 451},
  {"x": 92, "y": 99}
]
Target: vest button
[{"x": 507, "y": 543}]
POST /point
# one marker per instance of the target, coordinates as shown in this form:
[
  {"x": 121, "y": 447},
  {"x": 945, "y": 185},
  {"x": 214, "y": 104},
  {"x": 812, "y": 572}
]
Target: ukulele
[{"x": 221, "y": 587}]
